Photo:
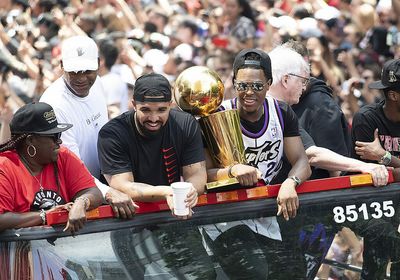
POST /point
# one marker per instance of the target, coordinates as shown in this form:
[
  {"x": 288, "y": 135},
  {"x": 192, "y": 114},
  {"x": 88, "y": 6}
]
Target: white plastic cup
[{"x": 180, "y": 191}]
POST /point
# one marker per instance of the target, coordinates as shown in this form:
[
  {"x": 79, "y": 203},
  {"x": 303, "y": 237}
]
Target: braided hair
[{"x": 15, "y": 142}]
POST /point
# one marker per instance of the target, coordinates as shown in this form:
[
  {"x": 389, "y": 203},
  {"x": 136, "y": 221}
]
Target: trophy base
[{"x": 223, "y": 185}]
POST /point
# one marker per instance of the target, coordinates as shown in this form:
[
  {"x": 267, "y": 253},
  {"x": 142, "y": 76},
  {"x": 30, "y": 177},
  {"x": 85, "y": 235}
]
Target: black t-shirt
[
  {"x": 367, "y": 120},
  {"x": 320, "y": 115},
  {"x": 152, "y": 160}
]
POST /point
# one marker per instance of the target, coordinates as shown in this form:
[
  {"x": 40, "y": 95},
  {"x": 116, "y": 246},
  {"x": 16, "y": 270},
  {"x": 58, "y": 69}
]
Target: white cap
[
  {"x": 184, "y": 51},
  {"x": 79, "y": 53},
  {"x": 285, "y": 22},
  {"x": 327, "y": 13}
]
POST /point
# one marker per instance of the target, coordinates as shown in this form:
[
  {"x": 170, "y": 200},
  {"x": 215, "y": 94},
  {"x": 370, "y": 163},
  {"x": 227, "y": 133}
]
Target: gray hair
[{"x": 285, "y": 60}]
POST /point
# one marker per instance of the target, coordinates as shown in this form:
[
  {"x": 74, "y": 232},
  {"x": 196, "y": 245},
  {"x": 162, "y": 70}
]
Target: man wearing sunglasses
[{"x": 270, "y": 130}]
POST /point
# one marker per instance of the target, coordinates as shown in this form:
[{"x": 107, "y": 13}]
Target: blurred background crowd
[{"x": 347, "y": 40}]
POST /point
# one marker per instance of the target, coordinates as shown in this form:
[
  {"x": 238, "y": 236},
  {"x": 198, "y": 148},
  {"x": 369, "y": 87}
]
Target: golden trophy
[{"x": 199, "y": 91}]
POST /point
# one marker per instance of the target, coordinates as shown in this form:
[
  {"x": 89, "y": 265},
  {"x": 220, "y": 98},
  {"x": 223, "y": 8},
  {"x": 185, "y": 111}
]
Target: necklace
[
  {"x": 31, "y": 172},
  {"x": 137, "y": 125}
]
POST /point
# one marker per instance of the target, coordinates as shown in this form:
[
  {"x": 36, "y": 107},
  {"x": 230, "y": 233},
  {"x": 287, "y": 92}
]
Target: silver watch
[
  {"x": 296, "y": 180},
  {"x": 386, "y": 158}
]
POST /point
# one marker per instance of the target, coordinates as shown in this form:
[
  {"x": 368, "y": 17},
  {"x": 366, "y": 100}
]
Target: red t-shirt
[{"x": 20, "y": 192}]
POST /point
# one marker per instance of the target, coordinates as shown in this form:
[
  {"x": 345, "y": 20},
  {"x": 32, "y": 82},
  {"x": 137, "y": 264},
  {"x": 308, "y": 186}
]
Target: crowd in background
[{"x": 347, "y": 41}]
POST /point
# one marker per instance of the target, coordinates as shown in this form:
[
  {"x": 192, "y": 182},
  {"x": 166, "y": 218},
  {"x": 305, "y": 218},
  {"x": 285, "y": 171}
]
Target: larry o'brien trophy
[{"x": 199, "y": 91}]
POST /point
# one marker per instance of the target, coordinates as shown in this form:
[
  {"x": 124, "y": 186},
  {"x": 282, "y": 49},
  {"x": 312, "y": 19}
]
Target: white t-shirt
[
  {"x": 115, "y": 91},
  {"x": 87, "y": 114}
]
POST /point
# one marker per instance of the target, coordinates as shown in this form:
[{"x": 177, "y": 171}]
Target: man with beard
[{"x": 141, "y": 153}]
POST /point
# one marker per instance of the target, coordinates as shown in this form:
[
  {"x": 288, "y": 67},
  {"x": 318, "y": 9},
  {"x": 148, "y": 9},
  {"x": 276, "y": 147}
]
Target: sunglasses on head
[{"x": 242, "y": 86}]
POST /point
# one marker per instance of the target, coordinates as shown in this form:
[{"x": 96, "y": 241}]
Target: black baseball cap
[
  {"x": 264, "y": 62},
  {"x": 152, "y": 88},
  {"x": 390, "y": 77},
  {"x": 36, "y": 118}
]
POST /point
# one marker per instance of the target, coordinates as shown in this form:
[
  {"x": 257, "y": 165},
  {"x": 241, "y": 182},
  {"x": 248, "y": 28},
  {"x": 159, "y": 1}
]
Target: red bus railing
[{"x": 336, "y": 183}]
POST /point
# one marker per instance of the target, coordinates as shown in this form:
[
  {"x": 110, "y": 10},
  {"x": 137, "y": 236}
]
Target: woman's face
[
  {"x": 313, "y": 45},
  {"x": 232, "y": 9},
  {"x": 47, "y": 147}
]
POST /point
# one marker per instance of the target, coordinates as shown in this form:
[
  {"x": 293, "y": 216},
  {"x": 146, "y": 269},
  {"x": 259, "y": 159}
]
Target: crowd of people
[{"x": 301, "y": 75}]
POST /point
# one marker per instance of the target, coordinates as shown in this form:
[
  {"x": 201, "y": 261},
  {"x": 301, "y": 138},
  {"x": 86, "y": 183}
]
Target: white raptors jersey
[{"x": 264, "y": 149}]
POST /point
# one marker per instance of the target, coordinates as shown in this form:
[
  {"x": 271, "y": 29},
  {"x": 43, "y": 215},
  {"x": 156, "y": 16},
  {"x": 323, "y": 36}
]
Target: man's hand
[
  {"x": 121, "y": 203},
  {"x": 370, "y": 150},
  {"x": 288, "y": 201},
  {"x": 246, "y": 175},
  {"x": 190, "y": 201},
  {"x": 379, "y": 173}
]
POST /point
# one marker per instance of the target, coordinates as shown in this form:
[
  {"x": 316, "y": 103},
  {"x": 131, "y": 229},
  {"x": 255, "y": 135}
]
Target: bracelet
[
  {"x": 42, "y": 215},
  {"x": 230, "y": 175},
  {"x": 85, "y": 200}
]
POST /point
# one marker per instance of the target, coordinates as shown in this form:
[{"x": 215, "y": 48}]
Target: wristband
[
  {"x": 42, "y": 215},
  {"x": 230, "y": 175},
  {"x": 85, "y": 200}
]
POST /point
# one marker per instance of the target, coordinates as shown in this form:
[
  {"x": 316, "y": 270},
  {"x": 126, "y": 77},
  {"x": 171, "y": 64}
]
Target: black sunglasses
[
  {"x": 55, "y": 136},
  {"x": 242, "y": 86}
]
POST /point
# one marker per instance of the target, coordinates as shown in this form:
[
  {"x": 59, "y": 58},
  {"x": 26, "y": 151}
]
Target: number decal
[
  {"x": 339, "y": 216},
  {"x": 351, "y": 213},
  {"x": 375, "y": 210},
  {"x": 388, "y": 209}
]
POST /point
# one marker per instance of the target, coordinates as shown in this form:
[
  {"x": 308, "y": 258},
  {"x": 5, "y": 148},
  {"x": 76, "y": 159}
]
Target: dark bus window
[{"x": 327, "y": 238}]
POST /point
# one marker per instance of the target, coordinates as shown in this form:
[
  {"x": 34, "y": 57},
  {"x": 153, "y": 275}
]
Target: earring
[{"x": 28, "y": 149}]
